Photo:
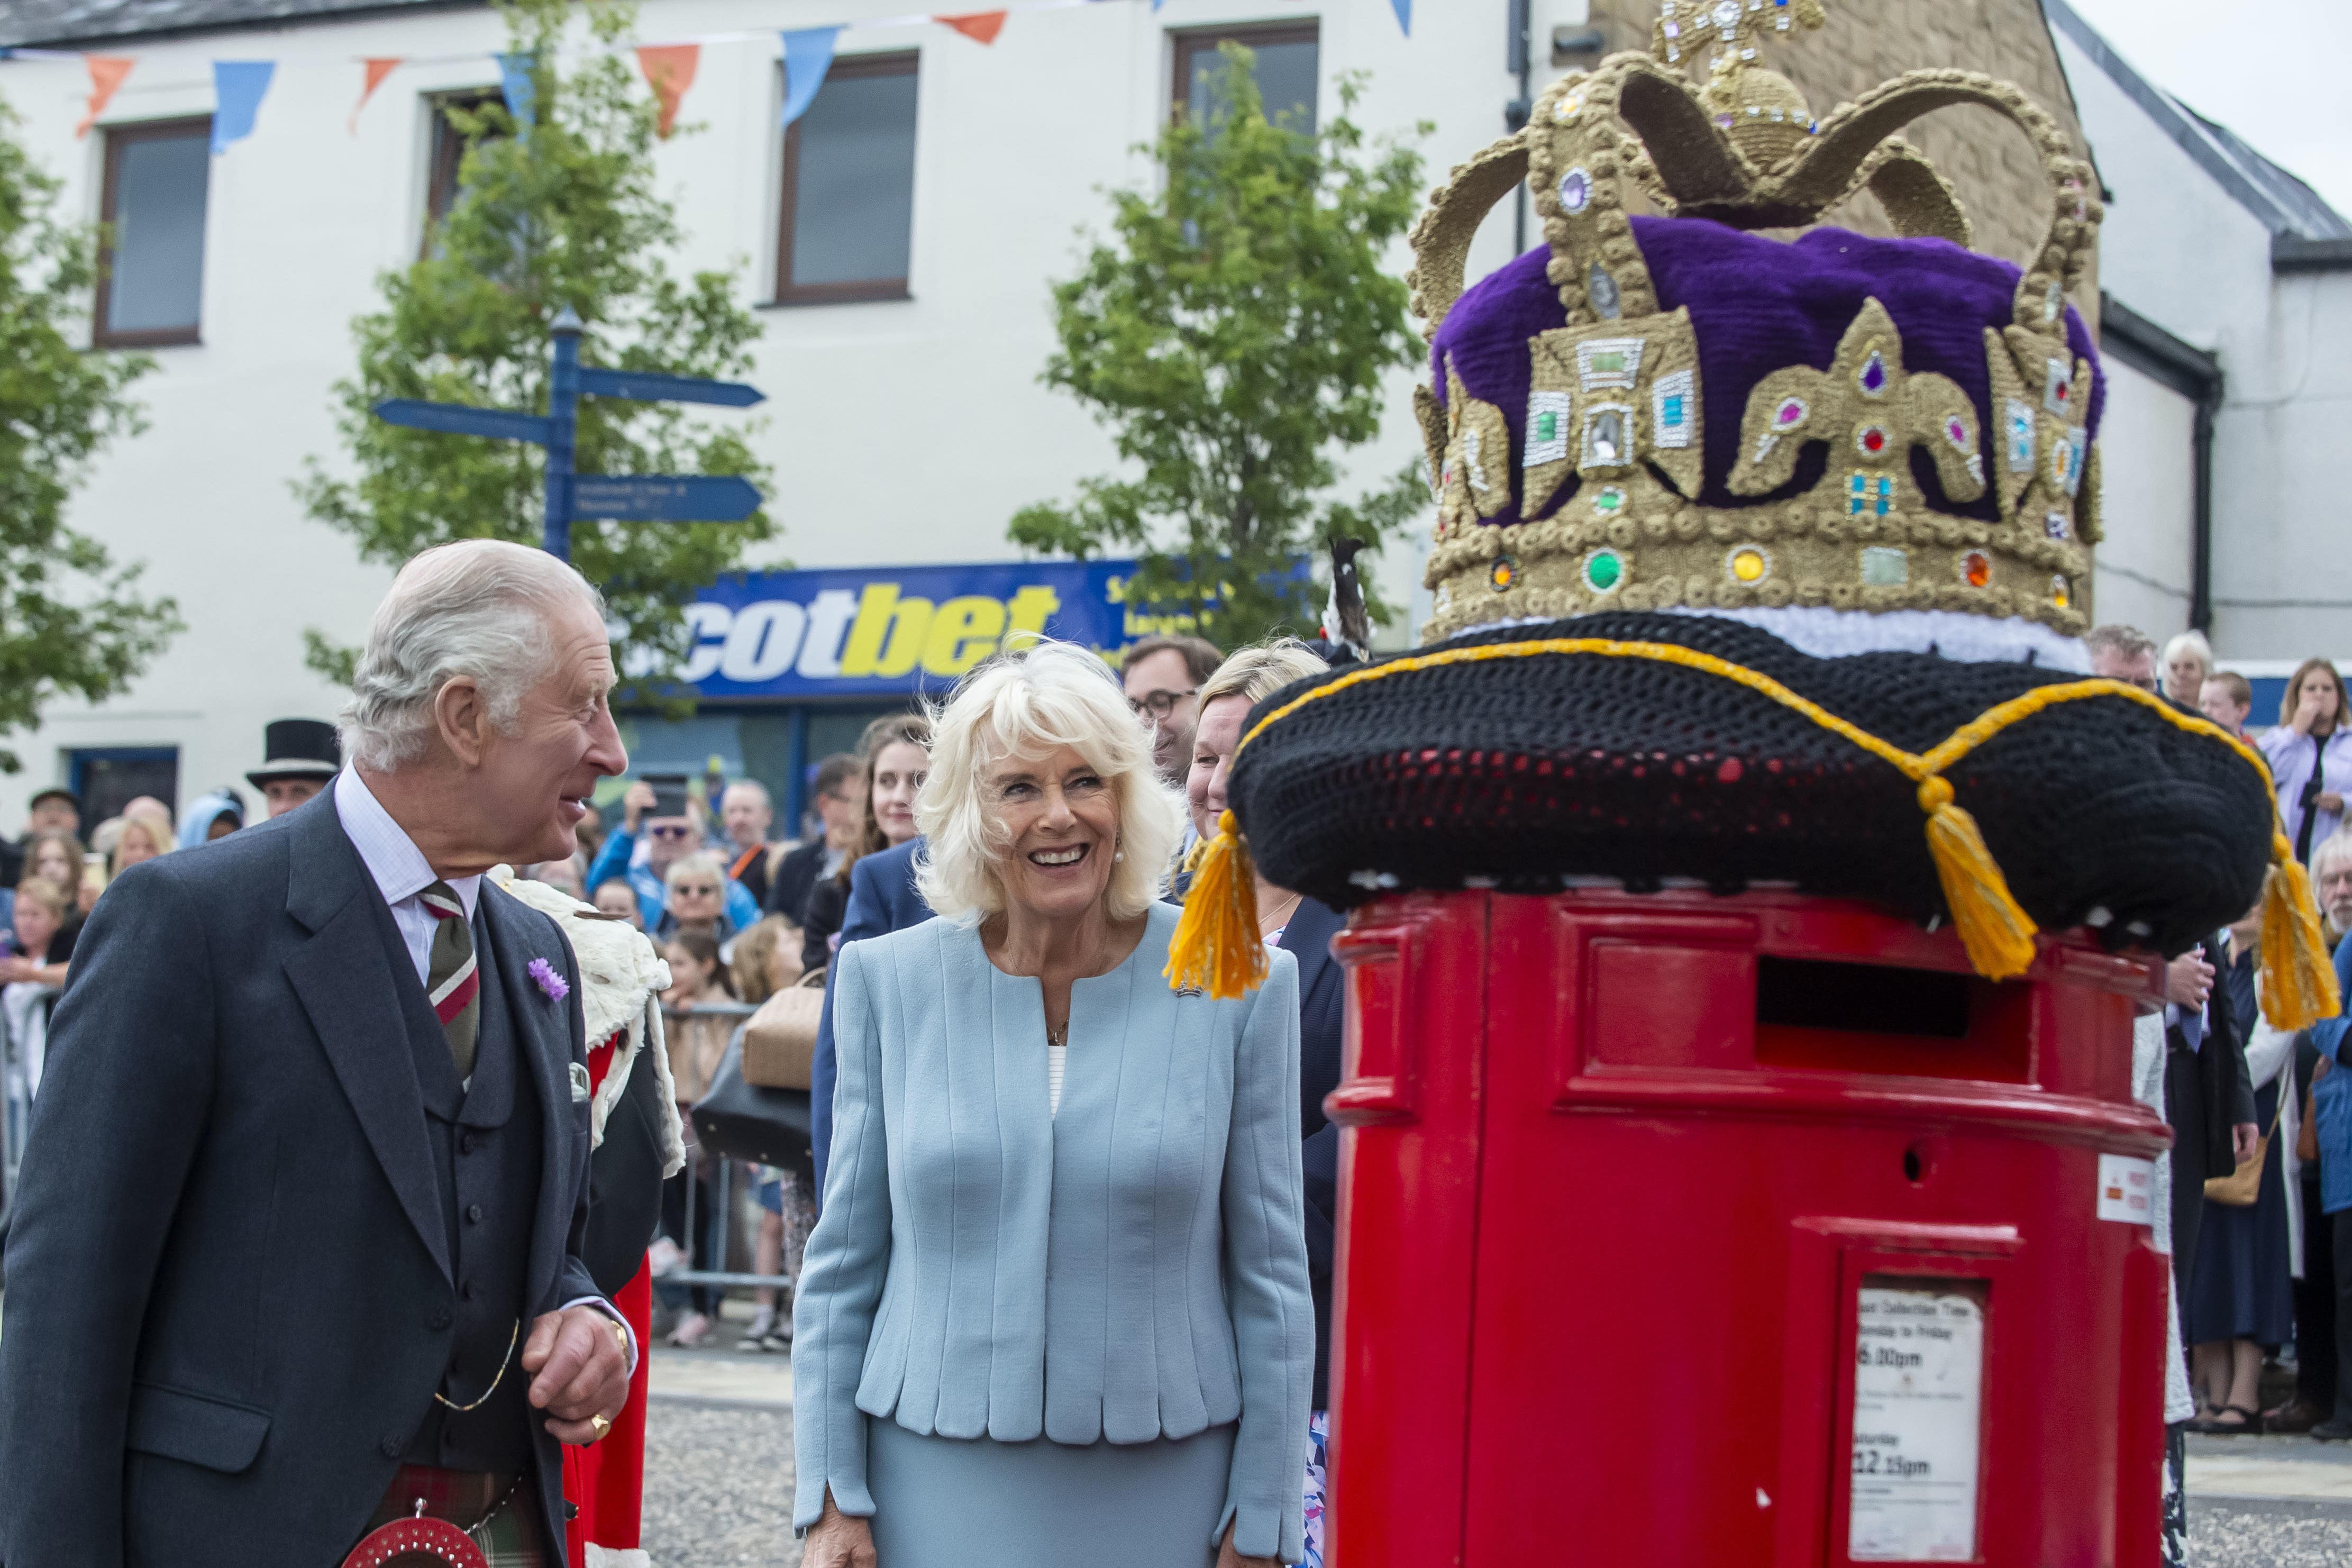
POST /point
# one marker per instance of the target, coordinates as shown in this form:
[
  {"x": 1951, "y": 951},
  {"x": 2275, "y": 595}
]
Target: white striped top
[{"x": 1055, "y": 1058}]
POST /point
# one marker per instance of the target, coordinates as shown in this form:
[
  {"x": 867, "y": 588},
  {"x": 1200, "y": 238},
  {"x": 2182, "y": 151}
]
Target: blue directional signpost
[{"x": 601, "y": 498}]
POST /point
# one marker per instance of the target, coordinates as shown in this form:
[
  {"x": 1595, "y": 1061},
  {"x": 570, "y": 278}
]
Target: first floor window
[
  {"x": 153, "y": 266},
  {"x": 848, "y": 200},
  {"x": 1285, "y": 61}
]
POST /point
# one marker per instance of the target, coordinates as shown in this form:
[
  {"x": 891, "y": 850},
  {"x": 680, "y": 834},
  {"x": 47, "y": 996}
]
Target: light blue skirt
[{"x": 954, "y": 1502}]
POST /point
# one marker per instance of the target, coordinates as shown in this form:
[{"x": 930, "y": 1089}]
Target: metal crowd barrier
[{"x": 723, "y": 1201}]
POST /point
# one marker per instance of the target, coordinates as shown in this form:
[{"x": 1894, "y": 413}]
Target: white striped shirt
[
  {"x": 397, "y": 867},
  {"x": 1055, "y": 1055}
]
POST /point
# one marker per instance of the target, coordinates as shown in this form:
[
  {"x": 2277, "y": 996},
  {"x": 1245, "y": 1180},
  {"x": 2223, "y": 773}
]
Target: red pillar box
[{"x": 1692, "y": 1232}]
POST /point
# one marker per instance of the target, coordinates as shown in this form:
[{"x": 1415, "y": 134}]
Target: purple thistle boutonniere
[{"x": 556, "y": 987}]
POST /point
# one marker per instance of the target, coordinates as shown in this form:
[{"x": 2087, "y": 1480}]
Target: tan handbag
[
  {"x": 2241, "y": 1186},
  {"x": 780, "y": 1040}
]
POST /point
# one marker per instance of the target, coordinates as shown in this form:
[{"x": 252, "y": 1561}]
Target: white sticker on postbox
[
  {"x": 1918, "y": 1401},
  {"x": 2126, "y": 1189}
]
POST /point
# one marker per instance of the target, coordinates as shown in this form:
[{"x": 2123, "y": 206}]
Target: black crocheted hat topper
[{"x": 1531, "y": 773}]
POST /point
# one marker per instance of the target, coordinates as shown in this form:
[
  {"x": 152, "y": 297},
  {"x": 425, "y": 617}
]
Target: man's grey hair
[
  {"x": 2123, "y": 641},
  {"x": 759, "y": 792},
  {"x": 2191, "y": 642},
  {"x": 478, "y": 610},
  {"x": 2335, "y": 847}
]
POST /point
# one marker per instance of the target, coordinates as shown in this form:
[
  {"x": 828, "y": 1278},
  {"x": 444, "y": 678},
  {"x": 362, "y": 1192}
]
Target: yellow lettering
[
  {"x": 963, "y": 632},
  {"x": 886, "y": 638},
  {"x": 1030, "y": 607}
]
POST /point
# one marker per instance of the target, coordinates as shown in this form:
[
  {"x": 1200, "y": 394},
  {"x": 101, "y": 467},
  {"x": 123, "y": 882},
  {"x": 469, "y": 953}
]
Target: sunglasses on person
[
  {"x": 696, "y": 889},
  {"x": 1159, "y": 704},
  {"x": 671, "y": 830}
]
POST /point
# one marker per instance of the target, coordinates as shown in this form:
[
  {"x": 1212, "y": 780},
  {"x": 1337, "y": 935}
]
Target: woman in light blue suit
[{"x": 1056, "y": 1311}]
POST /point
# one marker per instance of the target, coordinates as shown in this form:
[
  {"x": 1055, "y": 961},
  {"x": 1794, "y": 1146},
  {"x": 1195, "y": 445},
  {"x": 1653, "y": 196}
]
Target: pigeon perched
[{"x": 1346, "y": 626}]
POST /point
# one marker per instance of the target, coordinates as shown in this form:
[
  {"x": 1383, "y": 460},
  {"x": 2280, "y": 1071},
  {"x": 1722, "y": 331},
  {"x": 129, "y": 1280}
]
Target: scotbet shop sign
[{"x": 854, "y": 632}]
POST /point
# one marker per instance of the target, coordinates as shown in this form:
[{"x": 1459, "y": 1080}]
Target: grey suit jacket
[
  {"x": 229, "y": 1293},
  {"x": 1164, "y": 1201}
]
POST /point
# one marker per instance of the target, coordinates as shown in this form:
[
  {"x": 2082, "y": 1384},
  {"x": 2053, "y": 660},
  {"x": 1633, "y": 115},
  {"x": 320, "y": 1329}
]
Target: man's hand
[
  {"x": 2330, "y": 801},
  {"x": 2189, "y": 979},
  {"x": 838, "y": 1539},
  {"x": 578, "y": 1370},
  {"x": 17, "y": 967},
  {"x": 2245, "y": 1138},
  {"x": 1229, "y": 1558},
  {"x": 636, "y": 803}
]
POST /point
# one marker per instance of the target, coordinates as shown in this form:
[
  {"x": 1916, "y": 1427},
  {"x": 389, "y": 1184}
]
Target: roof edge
[
  {"x": 2293, "y": 253},
  {"x": 292, "y": 18},
  {"x": 2154, "y": 351},
  {"x": 2165, "y": 111}
]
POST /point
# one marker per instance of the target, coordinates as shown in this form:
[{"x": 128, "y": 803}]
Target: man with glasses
[
  {"x": 1162, "y": 677},
  {"x": 662, "y": 816}
]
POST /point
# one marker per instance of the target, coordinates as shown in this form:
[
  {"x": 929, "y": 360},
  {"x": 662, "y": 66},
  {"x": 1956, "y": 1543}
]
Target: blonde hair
[
  {"x": 1259, "y": 671},
  {"x": 752, "y": 950},
  {"x": 2190, "y": 642},
  {"x": 158, "y": 832},
  {"x": 58, "y": 900},
  {"x": 701, "y": 860},
  {"x": 1027, "y": 703}
]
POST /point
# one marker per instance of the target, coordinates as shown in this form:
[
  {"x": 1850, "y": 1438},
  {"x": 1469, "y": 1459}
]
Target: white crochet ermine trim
[{"x": 622, "y": 978}]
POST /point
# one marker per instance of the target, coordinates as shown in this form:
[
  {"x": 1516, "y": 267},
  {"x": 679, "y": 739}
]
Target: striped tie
[{"x": 451, "y": 979}]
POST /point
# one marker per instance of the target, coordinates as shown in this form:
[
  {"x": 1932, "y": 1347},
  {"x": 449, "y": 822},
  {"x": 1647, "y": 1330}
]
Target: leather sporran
[{"x": 780, "y": 1040}]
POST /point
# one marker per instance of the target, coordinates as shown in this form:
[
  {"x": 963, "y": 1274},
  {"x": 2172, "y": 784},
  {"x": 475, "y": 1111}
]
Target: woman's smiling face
[
  {"x": 1058, "y": 819},
  {"x": 899, "y": 771}
]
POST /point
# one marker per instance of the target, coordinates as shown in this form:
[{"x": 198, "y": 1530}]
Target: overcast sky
[{"x": 2271, "y": 70}]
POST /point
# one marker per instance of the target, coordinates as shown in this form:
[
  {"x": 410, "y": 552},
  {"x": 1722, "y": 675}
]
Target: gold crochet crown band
[{"x": 1593, "y": 504}]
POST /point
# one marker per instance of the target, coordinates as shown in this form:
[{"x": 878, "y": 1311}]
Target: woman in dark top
[
  {"x": 2240, "y": 1302},
  {"x": 897, "y": 755}
]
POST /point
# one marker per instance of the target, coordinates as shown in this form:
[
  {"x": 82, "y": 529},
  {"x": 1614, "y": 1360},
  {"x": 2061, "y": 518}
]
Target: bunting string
[{"x": 668, "y": 66}]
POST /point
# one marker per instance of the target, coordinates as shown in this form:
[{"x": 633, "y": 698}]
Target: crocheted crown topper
[{"x": 1674, "y": 413}]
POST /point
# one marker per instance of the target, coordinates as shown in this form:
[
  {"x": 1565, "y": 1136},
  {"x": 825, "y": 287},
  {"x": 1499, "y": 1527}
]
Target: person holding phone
[
  {"x": 2310, "y": 755},
  {"x": 663, "y": 816}
]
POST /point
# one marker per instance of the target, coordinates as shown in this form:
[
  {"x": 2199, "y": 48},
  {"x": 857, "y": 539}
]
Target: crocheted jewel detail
[
  {"x": 1872, "y": 380},
  {"x": 1672, "y": 400},
  {"x": 1884, "y": 566},
  {"x": 1606, "y": 363},
  {"x": 1869, "y": 494},
  {"x": 1602, "y": 290},
  {"x": 1871, "y": 440},
  {"x": 1504, "y": 574},
  {"x": 1547, "y": 416},
  {"x": 1575, "y": 191},
  {"x": 1608, "y": 436},
  {"x": 1747, "y": 564},
  {"x": 2018, "y": 419},
  {"x": 2062, "y": 593},
  {"x": 1603, "y": 571},
  {"x": 2054, "y": 523},
  {"x": 1976, "y": 568},
  {"x": 1608, "y": 500}
]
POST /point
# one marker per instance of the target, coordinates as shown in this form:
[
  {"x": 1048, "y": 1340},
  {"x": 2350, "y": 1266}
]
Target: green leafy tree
[
  {"x": 71, "y": 622},
  {"x": 561, "y": 211},
  {"x": 1235, "y": 333}
]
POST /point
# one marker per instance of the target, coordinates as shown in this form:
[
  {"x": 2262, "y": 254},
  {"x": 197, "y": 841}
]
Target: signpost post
[{"x": 616, "y": 497}]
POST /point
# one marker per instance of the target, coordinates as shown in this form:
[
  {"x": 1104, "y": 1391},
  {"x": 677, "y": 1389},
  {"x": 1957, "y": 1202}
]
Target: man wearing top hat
[
  {"x": 296, "y": 1252},
  {"x": 304, "y": 758}
]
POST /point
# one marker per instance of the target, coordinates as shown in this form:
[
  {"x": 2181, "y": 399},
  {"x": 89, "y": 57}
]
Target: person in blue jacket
[
  {"x": 1024, "y": 1097},
  {"x": 662, "y": 818},
  {"x": 2331, "y": 1095}
]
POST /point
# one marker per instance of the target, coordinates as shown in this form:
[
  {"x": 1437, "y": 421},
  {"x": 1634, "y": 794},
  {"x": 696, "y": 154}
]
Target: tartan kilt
[{"x": 510, "y": 1537}]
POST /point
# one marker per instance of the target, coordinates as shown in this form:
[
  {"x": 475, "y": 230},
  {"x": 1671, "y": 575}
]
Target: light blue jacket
[{"x": 1164, "y": 1203}]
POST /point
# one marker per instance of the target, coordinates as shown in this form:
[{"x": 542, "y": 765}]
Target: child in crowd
[
  {"x": 616, "y": 897},
  {"x": 697, "y": 1040}
]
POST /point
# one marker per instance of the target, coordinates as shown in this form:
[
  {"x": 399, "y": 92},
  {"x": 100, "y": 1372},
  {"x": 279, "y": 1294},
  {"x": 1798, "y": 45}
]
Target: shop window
[
  {"x": 443, "y": 188},
  {"x": 847, "y": 210},
  {"x": 152, "y": 203},
  {"x": 1285, "y": 66}
]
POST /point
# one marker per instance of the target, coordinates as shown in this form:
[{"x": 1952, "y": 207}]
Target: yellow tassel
[
  {"x": 1195, "y": 855},
  {"x": 1997, "y": 935},
  {"x": 2298, "y": 981},
  {"x": 1217, "y": 948}
]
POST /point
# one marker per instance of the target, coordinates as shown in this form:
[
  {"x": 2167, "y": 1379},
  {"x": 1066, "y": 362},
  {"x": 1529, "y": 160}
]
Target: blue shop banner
[{"x": 882, "y": 630}]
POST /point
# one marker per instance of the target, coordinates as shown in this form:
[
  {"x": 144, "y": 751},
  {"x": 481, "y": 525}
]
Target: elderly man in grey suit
[{"x": 297, "y": 1251}]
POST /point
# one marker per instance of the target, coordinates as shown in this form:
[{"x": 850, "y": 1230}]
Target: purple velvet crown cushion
[{"x": 1759, "y": 305}]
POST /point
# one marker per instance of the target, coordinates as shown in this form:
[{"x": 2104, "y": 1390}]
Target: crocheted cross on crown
[{"x": 1676, "y": 412}]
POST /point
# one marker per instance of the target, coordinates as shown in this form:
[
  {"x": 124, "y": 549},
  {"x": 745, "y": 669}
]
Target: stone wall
[{"x": 1866, "y": 42}]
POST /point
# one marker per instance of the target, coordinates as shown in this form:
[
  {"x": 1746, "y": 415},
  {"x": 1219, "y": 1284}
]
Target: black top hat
[{"x": 298, "y": 749}]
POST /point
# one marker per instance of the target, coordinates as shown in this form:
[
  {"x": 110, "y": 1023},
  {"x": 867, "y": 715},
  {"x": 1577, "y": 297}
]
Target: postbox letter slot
[
  {"x": 1888, "y": 1018},
  {"x": 1376, "y": 1062}
]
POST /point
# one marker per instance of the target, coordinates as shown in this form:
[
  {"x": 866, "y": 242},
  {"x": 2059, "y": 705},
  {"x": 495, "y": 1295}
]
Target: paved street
[{"x": 718, "y": 1479}]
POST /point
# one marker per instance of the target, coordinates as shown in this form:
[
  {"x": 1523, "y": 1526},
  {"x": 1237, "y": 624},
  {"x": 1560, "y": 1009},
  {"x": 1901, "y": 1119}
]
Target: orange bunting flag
[
  {"x": 105, "y": 74},
  {"x": 981, "y": 25},
  {"x": 669, "y": 71},
  {"x": 377, "y": 69}
]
